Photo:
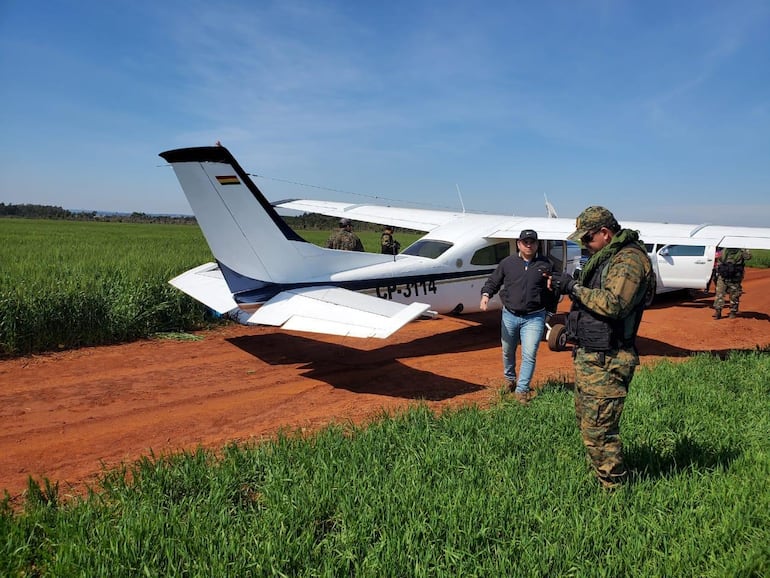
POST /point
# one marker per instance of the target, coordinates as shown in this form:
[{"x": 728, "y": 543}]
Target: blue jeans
[{"x": 527, "y": 330}]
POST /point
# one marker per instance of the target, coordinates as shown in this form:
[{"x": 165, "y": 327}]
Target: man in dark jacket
[{"x": 525, "y": 297}]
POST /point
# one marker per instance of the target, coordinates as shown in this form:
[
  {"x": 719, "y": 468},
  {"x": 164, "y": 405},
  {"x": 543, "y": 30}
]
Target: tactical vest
[
  {"x": 730, "y": 265},
  {"x": 594, "y": 332},
  {"x": 389, "y": 245}
]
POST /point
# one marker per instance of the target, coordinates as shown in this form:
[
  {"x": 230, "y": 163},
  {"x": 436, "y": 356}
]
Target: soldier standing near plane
[
  {"x": 607, "y": 306},
  {"x": 525, "y": 297},
  {"x": 345, "y": 239},
  {"x": 388, "y": 242},
  {"x": 730, "y": 267}
]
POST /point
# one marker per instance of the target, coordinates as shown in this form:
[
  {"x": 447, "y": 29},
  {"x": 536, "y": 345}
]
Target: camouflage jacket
[
  {"x": 730, "y": 263},
  {"x": 344, "y": 241},
  {"x": 612, "y": 288}
]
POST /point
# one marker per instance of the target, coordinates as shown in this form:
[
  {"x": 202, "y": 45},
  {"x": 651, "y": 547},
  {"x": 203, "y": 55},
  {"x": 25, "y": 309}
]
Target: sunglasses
[{"x": 588, "y": 237}]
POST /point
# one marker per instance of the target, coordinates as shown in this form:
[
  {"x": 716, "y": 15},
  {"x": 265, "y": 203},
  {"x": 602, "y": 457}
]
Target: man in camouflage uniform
[
  {"x": 345, "y": 239},
  {"x": 607, "y": 305},
  {"x": 729, "y": 267},
  {"x": 388, "y": 242}
]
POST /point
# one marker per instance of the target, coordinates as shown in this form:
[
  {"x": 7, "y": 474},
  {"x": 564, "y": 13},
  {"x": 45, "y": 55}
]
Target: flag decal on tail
[{"x": 229, "y": 180}]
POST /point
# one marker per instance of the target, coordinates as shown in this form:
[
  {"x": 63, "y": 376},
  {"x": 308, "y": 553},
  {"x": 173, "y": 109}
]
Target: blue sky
[{"x": 659, "y": 110}]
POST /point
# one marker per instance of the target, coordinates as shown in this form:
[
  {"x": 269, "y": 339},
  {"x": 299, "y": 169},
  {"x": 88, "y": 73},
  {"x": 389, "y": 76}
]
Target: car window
[{"x": 685, "y": 250}]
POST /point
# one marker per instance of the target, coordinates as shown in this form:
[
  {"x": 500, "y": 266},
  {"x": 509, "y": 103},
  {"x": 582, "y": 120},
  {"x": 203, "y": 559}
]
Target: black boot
[
  {"x": 717, "y": 314},
  {"x": 733, "y": 313}
]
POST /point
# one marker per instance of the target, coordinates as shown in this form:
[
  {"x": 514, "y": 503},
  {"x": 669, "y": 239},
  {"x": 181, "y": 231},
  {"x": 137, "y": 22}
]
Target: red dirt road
[{"x": 65, "y": 414}]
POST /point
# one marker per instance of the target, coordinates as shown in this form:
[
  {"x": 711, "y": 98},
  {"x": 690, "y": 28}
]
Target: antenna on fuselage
[{"x": 459, "y": 194}]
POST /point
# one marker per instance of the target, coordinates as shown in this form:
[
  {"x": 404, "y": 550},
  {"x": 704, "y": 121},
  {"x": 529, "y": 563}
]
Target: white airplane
[{"x": 266, "y": 274}]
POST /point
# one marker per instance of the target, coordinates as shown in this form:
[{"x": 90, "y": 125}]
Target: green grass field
[{"x": 497, "y": 492}]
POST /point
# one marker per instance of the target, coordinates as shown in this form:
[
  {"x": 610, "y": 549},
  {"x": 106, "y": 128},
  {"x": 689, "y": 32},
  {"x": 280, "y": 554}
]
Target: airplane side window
[
  {"x": 491, "y": 254},
  {"x": 555, "y": 254},
  {"x": 686, "y": 250},
  {"x": 427, "y": 248},
  {"x": 649, "y": 247}
]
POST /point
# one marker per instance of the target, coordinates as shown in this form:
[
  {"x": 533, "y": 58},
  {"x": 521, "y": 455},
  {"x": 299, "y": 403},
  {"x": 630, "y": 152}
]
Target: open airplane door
[{"x": 565, "y": 257}]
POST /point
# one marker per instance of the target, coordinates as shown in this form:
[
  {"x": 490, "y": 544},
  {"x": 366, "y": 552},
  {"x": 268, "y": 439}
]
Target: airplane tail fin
[{"x": 245, "y": 233}]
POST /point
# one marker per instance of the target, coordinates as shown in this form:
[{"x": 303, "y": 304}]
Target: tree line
[
  {"x": 31, "y": 211},
  {"x": 312, "y": 221}
]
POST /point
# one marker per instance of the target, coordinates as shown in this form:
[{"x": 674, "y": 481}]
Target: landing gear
[
  {"x": 557, "y": 337},
  {"x": 457, "y": 310}
]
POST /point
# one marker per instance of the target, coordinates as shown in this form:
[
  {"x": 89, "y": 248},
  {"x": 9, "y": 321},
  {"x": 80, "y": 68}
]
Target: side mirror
[{"x": 663, "y": 252}]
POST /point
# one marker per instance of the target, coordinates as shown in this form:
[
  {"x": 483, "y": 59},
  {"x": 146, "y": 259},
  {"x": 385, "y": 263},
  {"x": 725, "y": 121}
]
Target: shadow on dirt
[
  {"x": 379, "y": 370},
  {"x": 647, "y": 346},
  {"x": 754, "y": 315},
  {"x": 692, "y": 299}
]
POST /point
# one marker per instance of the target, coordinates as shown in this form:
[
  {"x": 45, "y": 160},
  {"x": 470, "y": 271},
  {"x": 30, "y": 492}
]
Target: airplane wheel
[{"x": 557, "y": 338}]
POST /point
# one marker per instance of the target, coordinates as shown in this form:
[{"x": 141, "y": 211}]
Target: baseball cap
[
  {"x": 528, "y": 234},
  {"x": 592, "y": 219}
]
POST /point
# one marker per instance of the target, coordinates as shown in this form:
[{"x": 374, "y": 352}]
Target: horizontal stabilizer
[
  {"x": 336, "y": 311},
  {"x": 206, "y": 284}
]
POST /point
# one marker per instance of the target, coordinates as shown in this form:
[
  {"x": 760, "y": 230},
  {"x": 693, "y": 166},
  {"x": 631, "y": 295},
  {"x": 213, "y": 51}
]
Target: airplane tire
[{"x": 557, "y": 338}]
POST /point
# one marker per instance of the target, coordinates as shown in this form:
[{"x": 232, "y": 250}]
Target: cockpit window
[
  {"x": 492, "y": 254},
  {"x": 427, "y": 248}
]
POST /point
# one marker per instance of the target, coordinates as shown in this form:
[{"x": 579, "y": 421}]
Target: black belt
[{"x": 521, "y": 312}]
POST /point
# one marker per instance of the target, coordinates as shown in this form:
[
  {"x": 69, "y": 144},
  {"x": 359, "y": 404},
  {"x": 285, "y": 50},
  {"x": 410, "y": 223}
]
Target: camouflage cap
[
  {"x": 592, "y": 219},
  {"x": 344, "y": 222}
]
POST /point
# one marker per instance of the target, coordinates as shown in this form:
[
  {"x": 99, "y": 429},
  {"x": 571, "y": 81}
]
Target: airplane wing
[
  {"x": 546, "y": 227},
  {"x": 337, "y": 311},
  {"x": 649, "y": 232},
  {"x": 327, "y": 309},
  {"x": 406, "y": 218},
  {"x": 704, "y": 234},
  {"x": 745, "y": 242}
]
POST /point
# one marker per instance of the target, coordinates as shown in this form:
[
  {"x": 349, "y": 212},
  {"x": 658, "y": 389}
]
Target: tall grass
[
  {"x": 760, "y": 258},
  {"x": 498, "y": 492},
  {"x": 67, "y": 284},
  {"x": 369, "y": 239}
]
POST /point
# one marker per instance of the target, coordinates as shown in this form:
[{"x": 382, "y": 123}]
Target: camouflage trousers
[
  {"x": 601, "y": 386},
  {"x": 731, "y": 287}
]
